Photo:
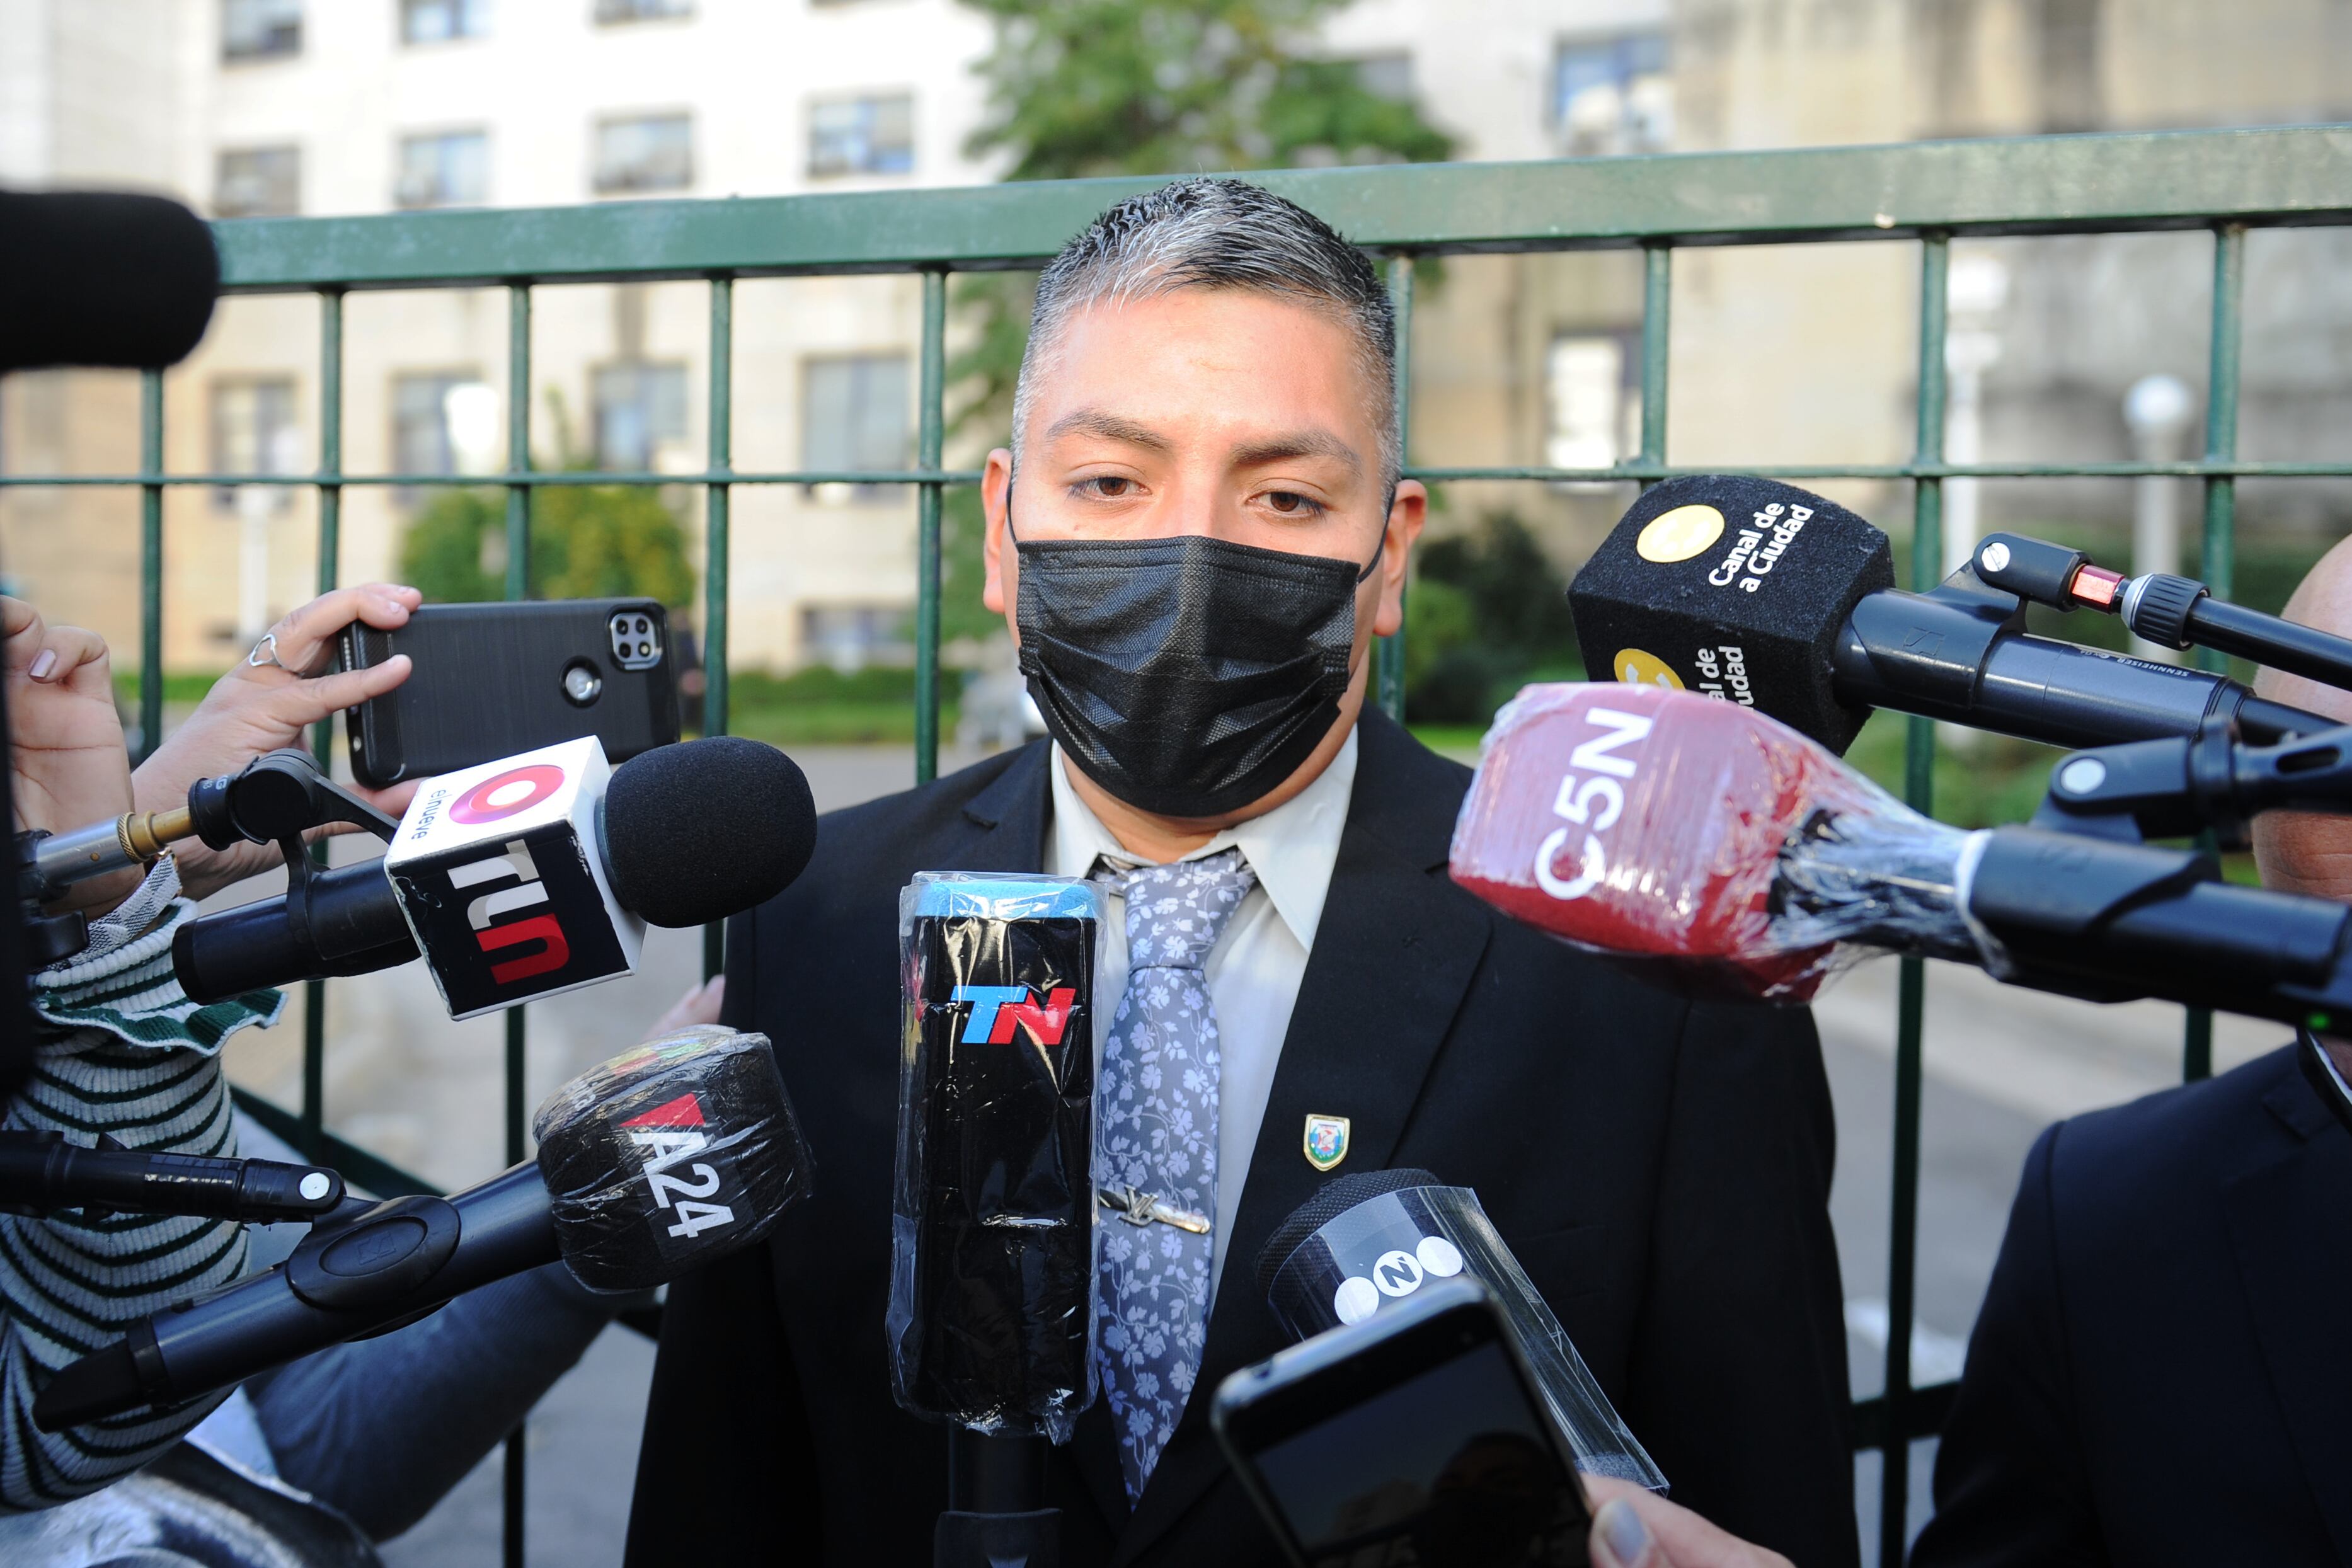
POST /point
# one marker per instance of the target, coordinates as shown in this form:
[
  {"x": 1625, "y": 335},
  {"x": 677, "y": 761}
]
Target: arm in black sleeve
[
  {"x": 725, "y": 1472},
  {"x": 2009, "y": 1481},
  {"x": 1738, "y": 1381}
]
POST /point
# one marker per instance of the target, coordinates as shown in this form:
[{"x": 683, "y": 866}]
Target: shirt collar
[{"x": 1292, "y": 848}]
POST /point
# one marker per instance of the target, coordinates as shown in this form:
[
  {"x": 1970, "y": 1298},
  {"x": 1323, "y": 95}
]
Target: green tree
[
  {"x": 587, "y": 541},
  {"x": 1488, "y": 611},
  {"x": 1081, "y": 87}
]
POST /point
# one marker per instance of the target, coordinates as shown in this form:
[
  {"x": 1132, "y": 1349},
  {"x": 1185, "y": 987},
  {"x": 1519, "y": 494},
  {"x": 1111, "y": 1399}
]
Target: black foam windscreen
[
  {"x": 92, "y": 277},
  {"x": 1737, "y": 587},
  {"x": 1331, "y": 1200},
  {"x": 706, "y": 828}
]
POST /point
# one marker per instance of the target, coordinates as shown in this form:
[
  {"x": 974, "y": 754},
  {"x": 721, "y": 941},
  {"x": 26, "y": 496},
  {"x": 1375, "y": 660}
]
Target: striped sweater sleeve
[{"x": 121, "y": 1052}]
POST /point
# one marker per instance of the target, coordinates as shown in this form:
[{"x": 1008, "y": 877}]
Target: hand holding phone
[{"x": 1413, "y": 1439}]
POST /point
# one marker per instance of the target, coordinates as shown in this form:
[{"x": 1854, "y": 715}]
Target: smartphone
[
  {"x": 1412, "y": 1440},
  {"x": 491, "y": 680}
]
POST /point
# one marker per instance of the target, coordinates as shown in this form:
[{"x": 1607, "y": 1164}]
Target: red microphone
[{"x": 1694, "y": 835}]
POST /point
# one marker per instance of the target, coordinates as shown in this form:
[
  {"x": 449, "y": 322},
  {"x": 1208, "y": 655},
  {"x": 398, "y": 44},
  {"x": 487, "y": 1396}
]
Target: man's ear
[
  {"x": 1406, "y": 515},
  {"x": 996, "y": 587}
]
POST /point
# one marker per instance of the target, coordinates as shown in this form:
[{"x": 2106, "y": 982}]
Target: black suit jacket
[
  {"x": 1660, "y": 1170},
  {"x": 2162, "y": 1371}
]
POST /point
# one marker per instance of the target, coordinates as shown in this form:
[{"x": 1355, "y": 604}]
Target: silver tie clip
[{"x": 1140, "y": 1208}]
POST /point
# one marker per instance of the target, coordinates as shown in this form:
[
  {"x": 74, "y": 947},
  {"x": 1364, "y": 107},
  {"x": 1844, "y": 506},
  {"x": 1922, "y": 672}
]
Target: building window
[
  {"x": 254, "y": 432},
  {"x": 643, "y": 153},
  {"x": 424, "y": 436},
  {"x": 638, "y": 409},
  {"x": 258, "y": 183},
  {"x": 854, "y": 419},
  {"x": 260, "y": 29},
  {"x": 1614, "y": 95},
  {"x": 610, "y": 11},
  {"x": 862, "y": 136},
  {"x": 1593, "y": 409},
  {"x": 439, "y": 21},
  {"x": 447, "y": 168},
  {"x": 852, "y": 636}
]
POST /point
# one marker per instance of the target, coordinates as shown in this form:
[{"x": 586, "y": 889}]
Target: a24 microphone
[
  {"x": 661, "y": 1160},
  {"x": 528, "y": 876},
  {"x": 1782, "y": 600}
]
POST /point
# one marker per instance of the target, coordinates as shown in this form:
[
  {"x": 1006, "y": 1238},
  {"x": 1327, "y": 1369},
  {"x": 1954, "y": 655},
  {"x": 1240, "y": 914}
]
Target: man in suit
[
  {"x": 2162, "y": 1373},
  {"x": 1197, "y": 534}
]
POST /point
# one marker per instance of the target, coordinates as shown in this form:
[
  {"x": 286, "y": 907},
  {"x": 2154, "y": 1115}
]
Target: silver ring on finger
[{"x": 265, "y": 654}]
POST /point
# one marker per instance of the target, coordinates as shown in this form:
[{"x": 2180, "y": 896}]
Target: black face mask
[{"x": 1188, "y": 676}]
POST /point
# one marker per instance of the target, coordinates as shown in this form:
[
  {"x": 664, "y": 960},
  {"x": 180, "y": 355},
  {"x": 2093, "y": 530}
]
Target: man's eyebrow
[
  {"x": 1299, "y": 444},
  {"x": 1108, "y": 427}
]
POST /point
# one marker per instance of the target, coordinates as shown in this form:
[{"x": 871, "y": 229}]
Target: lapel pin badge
[{"x": 1327, "y": 1140}]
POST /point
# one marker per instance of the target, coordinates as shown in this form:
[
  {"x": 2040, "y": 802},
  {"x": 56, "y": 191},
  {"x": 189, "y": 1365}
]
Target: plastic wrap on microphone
[
  {"x": 991, "y": 1321},
  {"x": 668, "y": 1156},
  {"x": 1365, "y": 1243},
  {"x": 1699, "y": 837}
]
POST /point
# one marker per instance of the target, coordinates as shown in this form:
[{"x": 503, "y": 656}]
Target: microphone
[
  {"x": 41, "y": 1173},
  {"x": 528, "y": 876},
  {"x": 663, "y": 1159},
  {"x": 1704, "y": 839},
  {"x": 1365, "y": 1243},
  {"x": 1784, "y": 601},
  {"x": 991, "y": 1281},
  {"x": 92, "y": 277}
]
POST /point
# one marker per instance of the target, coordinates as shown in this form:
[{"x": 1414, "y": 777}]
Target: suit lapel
[
  {"x": 1395, "y": 953},
  {"x": 2287, "y": 1220}
]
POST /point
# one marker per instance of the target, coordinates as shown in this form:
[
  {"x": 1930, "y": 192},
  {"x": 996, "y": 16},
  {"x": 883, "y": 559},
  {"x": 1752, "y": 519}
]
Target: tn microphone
[
  {"x": 1784, "y": 601},
  {"x": 661, "y": 1160},
  {"x": 528, "y": 876}
]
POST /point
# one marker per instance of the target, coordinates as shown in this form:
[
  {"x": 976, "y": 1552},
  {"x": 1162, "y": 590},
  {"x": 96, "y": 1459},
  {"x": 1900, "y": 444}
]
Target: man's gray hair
[{"x": 1217, "y": 234}]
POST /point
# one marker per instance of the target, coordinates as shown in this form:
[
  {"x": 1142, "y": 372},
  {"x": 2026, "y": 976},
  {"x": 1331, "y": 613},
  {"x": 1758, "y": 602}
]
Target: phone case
[{"x": 491, "y": 680}]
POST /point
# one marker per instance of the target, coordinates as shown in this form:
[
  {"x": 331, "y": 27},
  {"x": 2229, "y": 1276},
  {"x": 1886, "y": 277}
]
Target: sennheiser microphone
[
  {"x": 41, "y": 1172},
  {"x": 1706, "y": 839},
  {"x": 528, "y": 876},
  {"x": 93, "y": 278},
  {"x": 1782, "y": 600},
  {"x": 1367, "y": 1243},
  {"x": 661, "y": 1160}
]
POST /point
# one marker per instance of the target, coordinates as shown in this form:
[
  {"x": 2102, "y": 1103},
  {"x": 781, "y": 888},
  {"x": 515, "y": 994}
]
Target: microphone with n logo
[{"x": 1365, "y": 1243}]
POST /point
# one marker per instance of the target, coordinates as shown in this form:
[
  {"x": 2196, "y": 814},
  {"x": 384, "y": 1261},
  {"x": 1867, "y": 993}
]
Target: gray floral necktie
[{"x": 1157, "y": 1144}]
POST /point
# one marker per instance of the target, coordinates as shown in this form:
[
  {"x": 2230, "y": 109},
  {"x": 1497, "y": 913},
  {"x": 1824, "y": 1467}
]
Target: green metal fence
[{"x": 1922, "y": 193}]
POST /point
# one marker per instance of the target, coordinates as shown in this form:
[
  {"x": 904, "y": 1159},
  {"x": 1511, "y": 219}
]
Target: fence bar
[
  {"x": 518, "y": 587},
  {"x": 2220, "y": 546},
  {"x": 927, "y": 527},
  {"x": 151, "y": 563},
  {"x": 1388, "y": 654},
  {"x": 1911, "y": 996},
  {"x": 313, "y": 1143},
  {"x": 718, "y": 548},
  {"x": 1657, "y": 309}
]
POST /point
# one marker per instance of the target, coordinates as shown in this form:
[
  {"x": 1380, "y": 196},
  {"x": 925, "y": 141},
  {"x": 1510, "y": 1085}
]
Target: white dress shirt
[{"x": 1252, "y": 972}]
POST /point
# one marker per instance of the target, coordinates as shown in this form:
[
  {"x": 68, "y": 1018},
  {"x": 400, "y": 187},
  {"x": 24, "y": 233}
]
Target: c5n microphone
[
  {"x": 1781, "y": 600},
  {"x": 661, "y": 1160},
  {"x": 1704, "y": 839},
  {"x": 528, "y": 876}
]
